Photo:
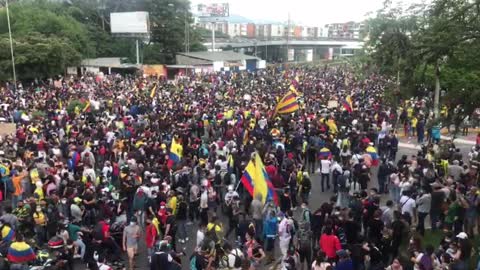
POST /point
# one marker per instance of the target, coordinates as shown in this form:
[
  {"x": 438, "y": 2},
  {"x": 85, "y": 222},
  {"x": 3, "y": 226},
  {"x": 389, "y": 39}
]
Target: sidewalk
[{"x": 468, "y": 140}]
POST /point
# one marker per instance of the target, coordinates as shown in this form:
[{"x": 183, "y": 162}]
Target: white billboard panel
[
  {"x": 309, "y": 55},
  {"x": 213, "y": 10},
  {"x": 291, "y": 55},
  {"x": 129, "y": 22}
]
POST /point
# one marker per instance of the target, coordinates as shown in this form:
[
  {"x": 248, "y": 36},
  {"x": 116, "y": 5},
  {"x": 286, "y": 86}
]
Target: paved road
[{"x": 316, "y": 199}]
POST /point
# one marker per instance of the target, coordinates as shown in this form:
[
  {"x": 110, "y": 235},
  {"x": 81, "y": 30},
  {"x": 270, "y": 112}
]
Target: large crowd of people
[{"x": 102, "y": 168}]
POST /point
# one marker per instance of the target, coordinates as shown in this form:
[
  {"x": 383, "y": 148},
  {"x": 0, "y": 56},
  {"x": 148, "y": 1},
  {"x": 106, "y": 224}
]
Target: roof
[
  {"x": 220, "y": 56},
  {"x": 113, "y": 62},
  {"x": 180, "y": 66}
]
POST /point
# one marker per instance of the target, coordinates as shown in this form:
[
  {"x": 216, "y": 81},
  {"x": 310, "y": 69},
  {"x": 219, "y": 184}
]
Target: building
[
  {"x": 219, "y": 61},
  {"x": 348, "y": 30},
  {"x": 107, "y": 65}
]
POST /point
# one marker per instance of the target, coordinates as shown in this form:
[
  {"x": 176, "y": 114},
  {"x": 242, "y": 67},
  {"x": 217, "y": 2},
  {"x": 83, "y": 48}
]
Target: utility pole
[
  {"x": 436, "y": 99},
  {"x": 11, "y": 47},
  {"x": 187, "y": 33},
  {"x": 288, "y": 33},
  {"x": 137, "y": 47},
  {"x": 213, "y": 36}
]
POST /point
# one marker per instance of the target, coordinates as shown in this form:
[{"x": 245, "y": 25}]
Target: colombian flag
[
  {"x": 288, "y": 104},
  {"x": 20, "y": 252},
  {"x": 153, "y": 92},
  {"x": 325, "y": 153},
  {"x": 255, "y": 180},
  {"x": 176, "y": 151},
  {"x": 262, "y": 184},
  {"x": 347, "y": 104},
  {"x": 373, "y": 153},
  {"x": 247, "y": 177},
  {"x": 7, "y": 234}
]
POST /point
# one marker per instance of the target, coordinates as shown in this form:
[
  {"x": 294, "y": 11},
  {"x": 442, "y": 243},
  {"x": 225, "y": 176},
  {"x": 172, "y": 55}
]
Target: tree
[
  {"x": 429, "y": 45},
  {"x": 37, "y": 56},
  {"x": 45, "y": 42},
  {"x": 168, "y": 19}
]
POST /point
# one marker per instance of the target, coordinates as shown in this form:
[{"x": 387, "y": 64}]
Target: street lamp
[{"x": 11, "y": 46}]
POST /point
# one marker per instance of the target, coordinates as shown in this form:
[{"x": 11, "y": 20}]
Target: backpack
[
  {"x": 238, "y": 260},
  {"x": 305, "y": 237},
  {"x": 212, "y": 234},
  {"x": 426, "y": 262},
  {"x": 292, "y": 230},
  {"x": 193, "y": 262},
  {"x": 342, "y": 183}
]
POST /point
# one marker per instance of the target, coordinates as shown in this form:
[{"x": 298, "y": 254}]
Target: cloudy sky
[{"x": 310, "y": 12}]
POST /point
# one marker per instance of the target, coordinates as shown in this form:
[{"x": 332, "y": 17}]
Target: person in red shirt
[
  {"x": 150, "y": 235},
  {"x": 330, "y": 244}
]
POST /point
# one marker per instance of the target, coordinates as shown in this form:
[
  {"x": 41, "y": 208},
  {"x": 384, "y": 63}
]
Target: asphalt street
[{"x": 316, "y": 199}]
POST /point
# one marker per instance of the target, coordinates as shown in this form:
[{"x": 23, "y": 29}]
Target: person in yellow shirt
[
  {"x": 38, "y": 193},
  {"x": 414, "y": 122},
  {"x": 214, "y": 230},
  {"x": 172, "y": 202},
  {"x": 410, "y": 112},
  {"x": 40, "y": 225}
]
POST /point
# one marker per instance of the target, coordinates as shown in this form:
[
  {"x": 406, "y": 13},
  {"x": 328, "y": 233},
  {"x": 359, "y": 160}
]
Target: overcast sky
[{"x": 309, "y": 12}]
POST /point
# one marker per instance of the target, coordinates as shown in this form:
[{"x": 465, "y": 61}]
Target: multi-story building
[{"x": 348, "y": 30}]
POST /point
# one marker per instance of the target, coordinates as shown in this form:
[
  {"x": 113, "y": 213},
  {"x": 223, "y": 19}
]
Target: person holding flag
[
  {"x": 288, "y": 104},
  {"x": 176, "y": 152}
]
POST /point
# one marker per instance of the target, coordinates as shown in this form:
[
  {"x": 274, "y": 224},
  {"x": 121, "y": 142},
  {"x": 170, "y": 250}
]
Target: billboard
[
  {"x": 309, "y": 55},
  {"x": 129, "y": 22},
  {"x": 291, "y": 55},
  {"x": 213, "y": 10}
]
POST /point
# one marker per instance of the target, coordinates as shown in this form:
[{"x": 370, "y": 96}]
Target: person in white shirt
[
  {"x": 200, "y": 235},
  {"x": 325, "y": 165},
  {"x": 233, "y": 259},
  {"x": 284, "y": 235},
  {"x": 407, "y": 206},
  {"x": 336, "y": 172}
]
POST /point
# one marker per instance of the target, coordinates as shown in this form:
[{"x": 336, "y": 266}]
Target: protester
[{"x": 111, "y": 161}]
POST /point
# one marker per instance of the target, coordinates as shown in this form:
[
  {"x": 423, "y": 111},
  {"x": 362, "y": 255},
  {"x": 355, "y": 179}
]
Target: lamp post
[{"x": 11, "y": 46}]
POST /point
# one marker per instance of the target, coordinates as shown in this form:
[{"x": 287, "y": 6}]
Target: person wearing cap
[{"x": 131, "y": 236}]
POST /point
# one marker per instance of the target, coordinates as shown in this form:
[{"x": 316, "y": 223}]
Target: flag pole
[{"x": 11, "y": 46}]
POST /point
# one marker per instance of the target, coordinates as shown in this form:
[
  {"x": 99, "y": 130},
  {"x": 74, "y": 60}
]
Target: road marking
[
  {"x": 409, "y": 146},
  {"x": 460, "y": 141}
]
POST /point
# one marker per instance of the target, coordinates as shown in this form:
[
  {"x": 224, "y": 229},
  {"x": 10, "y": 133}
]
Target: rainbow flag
[
  {"x": 373, "y": 153},
  {"x": 255, "y": 180},
  {"x": 20, "y": 252},
  {"x": 153, "y": 92},
  {"x": 288, "y": 104},
  {"x": 176, "y": 151}
]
